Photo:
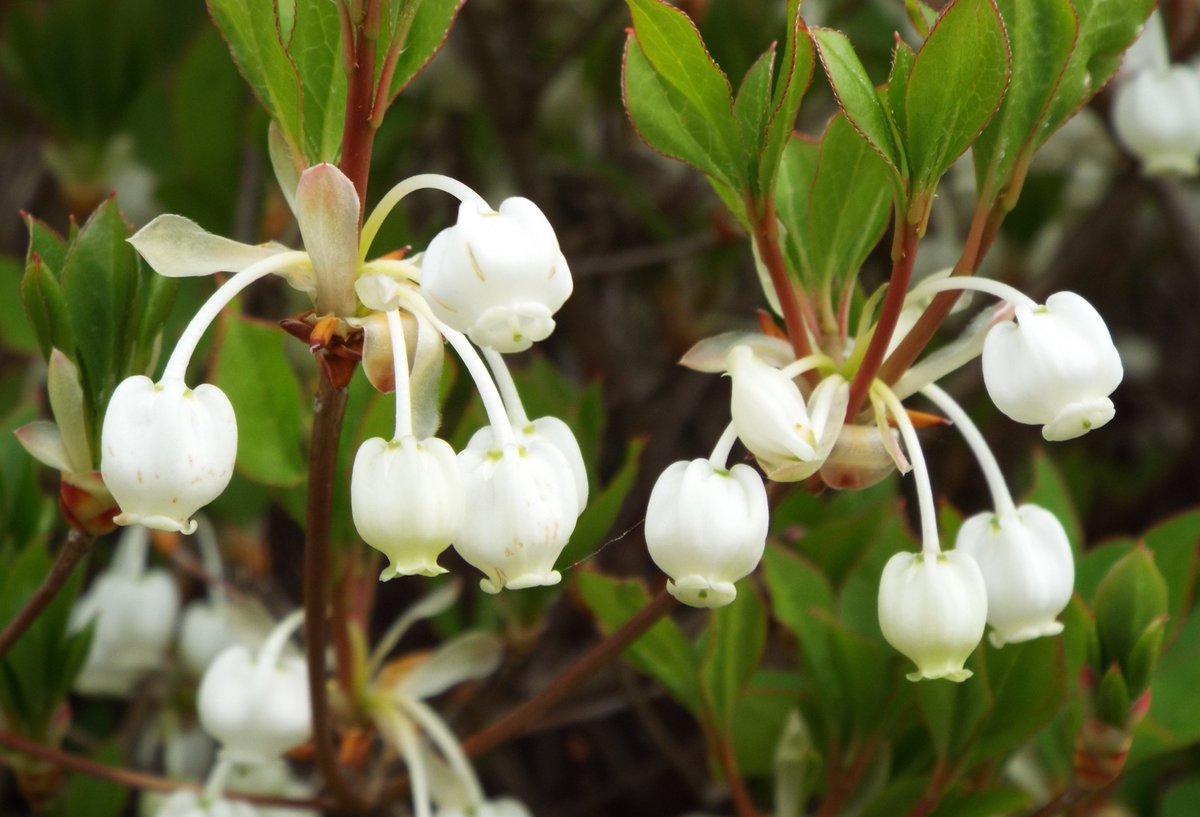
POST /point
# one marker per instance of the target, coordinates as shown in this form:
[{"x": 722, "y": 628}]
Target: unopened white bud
[
  {"x": 1028, "y": 568},
  {"x": 499, "y": 277},
  {"x": 522, "y": 503},
  {"x": 166, "y": 451},
  {"x": 1055, "y": 366},
  {"x": 706, "y": 528},
  {"x": 789, "y": 437},
  {"x": 407, "y": 500},
  {"x": 256, "y": 706},
  {"x": 1156, "y": 115},
  {"x": 933, "y": 608}
]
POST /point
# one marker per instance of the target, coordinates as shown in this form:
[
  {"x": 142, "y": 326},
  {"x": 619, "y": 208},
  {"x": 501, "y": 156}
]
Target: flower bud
[
  {"x": 706, "y": 528},
  {"x": 790, "y": 439},
  {"x": 1054, "y": 366},
  {"x": 1028, "y": 568},
  {"x": 1156, "y": 115},
  {"x": 256, "y": 706},
  {"x": 933, "y": 608},
  {"x": 499, "y": 277},
  {"x": 132, "y": 611},
  {"x": 859, "y": 458},
  {"x": 522, "y": 503},
  {"x": 407, "y": 500},
  {"x": 166, "y": 451}
]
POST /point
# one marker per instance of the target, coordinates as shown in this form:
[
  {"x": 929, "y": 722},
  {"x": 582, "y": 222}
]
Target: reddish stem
[
  {"x": 742, "y": 801},
  {"x": 889, "y": 316},
  {"x": 141, "y": 780},
  {"x": 73, "y": 551},
  {"x": 358, "y": 133},
  {"x": 796, "y": 309},
  {"x": 841, "y": 786},
  {"x": 518, "y": 720}
]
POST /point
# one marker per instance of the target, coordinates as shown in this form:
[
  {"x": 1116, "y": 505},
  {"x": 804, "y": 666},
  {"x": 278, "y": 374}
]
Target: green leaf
[
  {"x": 596, "y": 521},
  {"x": 1028, "y": 683},
  {"x": 252, "y": 369},
  {"x": 1172, "y": 721},
  {"x": 849, "y": 203},
  {"x": 1181, "y": 798},
  {"x": 100, "y": 284},
  {"x": 793, "y": 183},
  {"x": 953, "y": 712},
  {"x": 668, "y": 123},
  {"x": 1175, "y": 543},
  {"x": 1051, "y": 491},
  {"x": 418, "y": 29},
  {"x": 95, "y": 796},
  {"x": 987, "y": 803},
  {"x": 1131, "y": 598},
  {"x": 734, "y": 644},
  {"x": 47, "y": 244},
  {"x": 1144, "y": 658},
  {"x": 896, "y": 94},
  {"x": 1042, "y": 35},
  {"x": 856, "y": 96},
  {"x": 752, "y": 107},
  {"x": 46, "y": 308},
  {"x": 763, "y": 712},
  {"x": 1112, "y": 700},
  {"x": 315, "y": 48},
  {"x": 1106, "y": 29},
  {"x": 921, "y": 15},
  {"x": 799, "y": 60},
  {"x": 956, "y": 85},
  {"x": 663, "y": 652}
]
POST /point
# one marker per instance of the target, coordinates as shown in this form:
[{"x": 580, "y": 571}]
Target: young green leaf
[
  {"x": 897, "y": 86},
  {"x": 663, "y": 652},
  {"x": 956, "y": 85},
  {"x": 417, "y": 31},
  {"x": 790, "y": 87},
  {"x": 792, "y": 185},
  {"x": 751, "y": 107},
  {"x": 252, "y": 369},
  {"x": 1042, "y": 34},
  {"x": 734, "y": 643},
  {"x": 921, "y": 15},
  {"x": 46, "y": 308},
  {"x": 857, "y": 97},
  {"x": 45, "y": 243}
]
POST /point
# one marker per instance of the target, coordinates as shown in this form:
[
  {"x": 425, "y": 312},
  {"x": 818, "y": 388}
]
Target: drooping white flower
[
  {"x": 186, "y": 803},
  {"x": 1054, "y": 366},
  {"x": 522, "y": 503},
  {"x": 499, "y": 276},
  {"x": 166, "y": 450},
  {"x": 407, "y": 500},
  {"x": 204, "y": 633},
  {"x": 133, "y": 612},
  {"x": 257, "y": 705},
  {"x": 1027, "y": 566},
  {"x": 550, "y": 430},
  {"x": 706, "y": 528},
  {"x": 1156, "y": 116},
  {"x": 933, "y": 608},
  {"x": 790, "y": 437}
]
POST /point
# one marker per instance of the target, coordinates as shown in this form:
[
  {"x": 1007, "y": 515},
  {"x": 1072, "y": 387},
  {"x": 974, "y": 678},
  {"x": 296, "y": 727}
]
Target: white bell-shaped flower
[
  {"x": 1054, "y": 366},
  {"x": 407, "y": 500},
  {"x": 166, "y": 451},
  {"x": 557, "y": 433},
  {"x": 1156, "y": 115},
  {"x": 499, "y": 277},
  {"x": 1028, "y": 569},
  {"x": 522, "y": 503},
  {"x": 133, "y": 612},
  {"x": 933, "y": 608},
  {"x": 706, "y": 528},
  {"x": 257, "y": 706},
  {"x": 204, "y": 632},
  {"x": 196, "y": 804},
  {"x": 790, "y": 437}
]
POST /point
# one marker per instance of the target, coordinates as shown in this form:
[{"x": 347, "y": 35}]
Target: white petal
[
  {"x": 711, "y": 355},
  {"x": 44, "y": 442},
  {"x": 466, "y": 658},
  {"x": 177, "y": 247}
]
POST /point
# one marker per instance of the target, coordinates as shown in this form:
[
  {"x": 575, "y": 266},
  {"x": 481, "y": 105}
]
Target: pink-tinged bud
[
  {"x": 1028, "y": 568},
  {"x": 1055, "y": 366},
  {"x": 933, "y": 608},
  {"x": 706, "y": 528},
  {"x": 166, "y": 451},
  {"x": 498, "y": 277},
  {"x": 408, "y": 502}
]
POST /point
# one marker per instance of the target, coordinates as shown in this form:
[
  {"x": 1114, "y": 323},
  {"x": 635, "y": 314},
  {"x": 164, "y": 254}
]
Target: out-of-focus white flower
[
  {"x": 706, "y": 528},
  {"x": 789, "y": 437},
  {"x": 257, "y": 706},
  {"x": 500, "y": 807},
  {"x": 204, "y": 632},
  {"x": 522, "y": 503},
  {"x": 133, "y": 613},
  {"x": 1054, "y": 366},
  {"x": 1156, "y": 115},
  {"x": 1027, "y": 566},
  {"x": 408, "y": 502},
  {"x": 933, "y": 608},
  {"x": 272, "y": 779},
  {"x": 499, "y": 276},
  {"x": 166, "y": 450},
  {"x": 197, "y": 804}
]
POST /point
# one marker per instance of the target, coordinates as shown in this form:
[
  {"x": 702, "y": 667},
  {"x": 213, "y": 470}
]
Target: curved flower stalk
[
  {"x": 706, "y": 526},
  {"x": 257, "y": 704},
  {"x": 439, "y": 770},
  {"x": 132, "y": 611},
  {"x": 932, "y": 604},
  {"x": 1023, "y": 552}
]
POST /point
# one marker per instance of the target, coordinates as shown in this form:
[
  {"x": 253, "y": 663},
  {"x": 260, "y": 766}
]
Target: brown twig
[
  {"x": 519, "y": 719},
  {"x": 798, "y": 313},
  {"x": 73, "y": 551},
  {"x": 142, "y": 780},
  {"x": 328, "y": 413}
]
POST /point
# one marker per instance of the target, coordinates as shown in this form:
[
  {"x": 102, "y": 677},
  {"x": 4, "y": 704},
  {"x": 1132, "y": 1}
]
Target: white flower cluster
[
  {"x": 1052, "y": 365},
  {"x": 508, "y": 502}
]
